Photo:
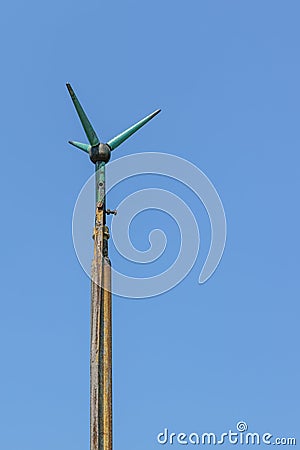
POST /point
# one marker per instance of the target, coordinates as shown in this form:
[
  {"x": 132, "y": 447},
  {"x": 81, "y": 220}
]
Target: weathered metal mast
[{"x": 101, "y": 317}]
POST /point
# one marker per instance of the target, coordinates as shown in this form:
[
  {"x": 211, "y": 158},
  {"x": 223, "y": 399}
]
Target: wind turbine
[{"x": 101, "y": 319}]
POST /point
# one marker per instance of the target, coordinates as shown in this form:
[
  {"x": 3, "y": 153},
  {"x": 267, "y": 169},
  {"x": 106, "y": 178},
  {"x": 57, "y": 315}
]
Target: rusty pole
[{"x": 101, "y": 329}]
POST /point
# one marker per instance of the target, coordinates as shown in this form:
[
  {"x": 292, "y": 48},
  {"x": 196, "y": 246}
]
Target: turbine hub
[{"x": 100, "y": 153}]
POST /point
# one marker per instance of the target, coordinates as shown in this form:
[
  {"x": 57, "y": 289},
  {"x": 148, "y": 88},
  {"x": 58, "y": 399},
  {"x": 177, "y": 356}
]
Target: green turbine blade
[
  {"x": 116, "y": 141},
  {"x": 89, "y": 130},
  {"x": 84, "y": 147}
]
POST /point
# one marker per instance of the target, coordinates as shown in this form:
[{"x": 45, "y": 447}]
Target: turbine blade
[
  {"x": 89, "y": 130},
  {"x": 116, "y": 141},
  {"x": 84, "y": 147}
]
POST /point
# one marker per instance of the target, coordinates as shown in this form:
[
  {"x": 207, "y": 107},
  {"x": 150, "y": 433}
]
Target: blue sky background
[{"x": 198, "y": 358}]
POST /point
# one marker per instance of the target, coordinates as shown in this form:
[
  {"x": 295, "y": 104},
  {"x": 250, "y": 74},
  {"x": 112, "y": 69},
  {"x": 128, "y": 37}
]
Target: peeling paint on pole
[{"x": 101, "y": 339}]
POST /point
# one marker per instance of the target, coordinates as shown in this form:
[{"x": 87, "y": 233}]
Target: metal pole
[{"x": 101, "y": 327}]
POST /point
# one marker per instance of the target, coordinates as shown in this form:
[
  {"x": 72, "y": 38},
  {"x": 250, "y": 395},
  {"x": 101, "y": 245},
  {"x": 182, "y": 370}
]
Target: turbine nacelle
[{"x": 98, "y": 151}]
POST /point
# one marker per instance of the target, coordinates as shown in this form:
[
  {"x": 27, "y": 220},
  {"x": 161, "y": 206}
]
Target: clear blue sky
[{"x": 198, "y": 358}]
